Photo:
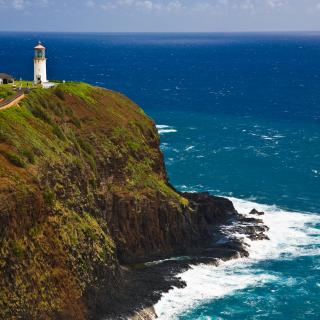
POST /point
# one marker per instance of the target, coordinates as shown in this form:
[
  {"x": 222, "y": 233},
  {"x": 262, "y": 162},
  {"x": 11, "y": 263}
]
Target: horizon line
[{"x": 163, "y": 32}]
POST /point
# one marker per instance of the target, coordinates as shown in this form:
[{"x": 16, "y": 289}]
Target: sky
[{"x": 159, "y": 15}]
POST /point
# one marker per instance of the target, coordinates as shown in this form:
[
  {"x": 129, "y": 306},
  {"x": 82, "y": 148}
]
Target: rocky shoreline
[{"x": 145, "y": 283}]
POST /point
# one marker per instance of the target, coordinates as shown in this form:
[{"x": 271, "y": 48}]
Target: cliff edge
[{"x": 84, "y": 191}]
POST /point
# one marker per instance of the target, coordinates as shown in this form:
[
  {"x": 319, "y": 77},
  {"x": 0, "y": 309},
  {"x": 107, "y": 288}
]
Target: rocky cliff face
[{"x": 83, "y": 189}]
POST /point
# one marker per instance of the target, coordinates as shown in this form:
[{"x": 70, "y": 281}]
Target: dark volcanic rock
[
  {"x": 213, "y": 209},
  {"x": 145, "y": 283},
  {"x": 256, "y": 212}
]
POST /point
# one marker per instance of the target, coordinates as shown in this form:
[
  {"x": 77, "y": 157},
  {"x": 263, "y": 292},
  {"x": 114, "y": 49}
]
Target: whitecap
[
  {"x": 267, "y": 137},
  {"x": 161, "y": 131},
  {"x": 163, "y": 128},
  {"x": 292, "y": 234}
]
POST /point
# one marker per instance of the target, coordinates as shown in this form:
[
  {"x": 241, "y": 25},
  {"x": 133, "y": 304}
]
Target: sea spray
[{"x": 292, "y": 235}]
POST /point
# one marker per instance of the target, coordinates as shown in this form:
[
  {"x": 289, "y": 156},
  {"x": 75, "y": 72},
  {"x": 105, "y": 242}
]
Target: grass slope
[{"x": 55, "y": 244}]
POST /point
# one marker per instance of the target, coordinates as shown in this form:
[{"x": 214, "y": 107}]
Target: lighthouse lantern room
[{"x": 40, "y": 64}]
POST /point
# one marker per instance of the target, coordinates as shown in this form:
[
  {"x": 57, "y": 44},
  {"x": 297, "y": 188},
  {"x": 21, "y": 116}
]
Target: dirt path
[{"x": 11, "y": 101}]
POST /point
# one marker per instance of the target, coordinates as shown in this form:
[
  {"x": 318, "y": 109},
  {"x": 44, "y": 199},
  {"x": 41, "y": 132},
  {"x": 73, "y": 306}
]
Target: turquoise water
[{"x": 238, "y": 115}]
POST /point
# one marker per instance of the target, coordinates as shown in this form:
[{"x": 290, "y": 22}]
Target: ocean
[{"x": 239, "y": 116}]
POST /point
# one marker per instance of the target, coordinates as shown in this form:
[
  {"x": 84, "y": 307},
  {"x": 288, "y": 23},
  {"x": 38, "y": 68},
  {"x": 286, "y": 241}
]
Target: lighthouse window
[{"x": 39, "y": 54}]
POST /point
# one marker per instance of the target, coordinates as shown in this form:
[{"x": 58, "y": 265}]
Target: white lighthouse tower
[{"x": 40, "y": 64}]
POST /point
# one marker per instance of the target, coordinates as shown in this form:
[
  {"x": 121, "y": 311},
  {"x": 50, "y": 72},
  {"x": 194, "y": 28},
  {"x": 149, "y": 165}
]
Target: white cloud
[
  {"x": 276, "y": 3},
  {"x": 90, "y": 4},
  {"x": 199, "y": 6},
  {"x": 19, "y": 4},
  {"x": 250, "y": 6},
  {"x": 23, "y": 4},
  {"x": 149, "y": 5}
]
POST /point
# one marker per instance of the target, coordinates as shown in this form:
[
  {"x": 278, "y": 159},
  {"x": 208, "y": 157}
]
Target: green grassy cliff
[{"x": 82, "y": 188}]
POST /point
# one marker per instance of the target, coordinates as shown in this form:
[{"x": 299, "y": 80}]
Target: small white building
[
  {"x": 6, "y": 78},
  {"x": 40, "y": 66}
]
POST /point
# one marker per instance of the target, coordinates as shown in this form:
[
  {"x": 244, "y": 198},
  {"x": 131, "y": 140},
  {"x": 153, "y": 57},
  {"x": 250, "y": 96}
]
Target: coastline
[{"x": 146, "y": 283}]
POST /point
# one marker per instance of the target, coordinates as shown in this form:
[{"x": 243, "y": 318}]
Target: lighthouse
[{"x": 40, "y": 64}]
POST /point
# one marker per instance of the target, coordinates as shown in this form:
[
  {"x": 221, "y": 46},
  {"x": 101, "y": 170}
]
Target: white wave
[
  {"x": 161, "y": 131},
  {"x": 162, "y": 128},
  {"x": 292, "y": 234},
  {"x": 267, "y": 138}
]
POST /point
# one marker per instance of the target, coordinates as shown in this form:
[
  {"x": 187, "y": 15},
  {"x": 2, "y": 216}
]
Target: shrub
[
  {"x": 49, "y": 197},
  {"x": 85, "y": 146},
  {"x": 5, "y": 93},
  {"x": 58, "y": 132},
  {"x": 69, "y": 112},
  {"x": 4, "y": 136},
  {"x": 17, "y": 249},
  {"x": 29, "y": 155},
  {"x": 57, "y": 109},
  {"x": 13, "y": 158},
  {"x": 35, "y": 231},
  {"x": 59, "y": 93},
  {"x": 39, "y": 113},
  {"x": 43, "y": 102},
  {"x": 134, "y": 146},
  {"x": 92, "y": 163},
  {"x": 76, "y": 122}
]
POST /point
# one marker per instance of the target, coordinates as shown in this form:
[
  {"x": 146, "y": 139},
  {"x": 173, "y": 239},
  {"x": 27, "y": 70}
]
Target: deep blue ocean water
[{"x": 238, "y": 115}]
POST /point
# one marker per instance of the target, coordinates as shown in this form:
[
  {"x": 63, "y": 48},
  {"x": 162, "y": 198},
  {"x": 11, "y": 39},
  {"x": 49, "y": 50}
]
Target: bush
[
  {"x": 57, "y": 108},
  {"x": 76, "y": 122},
  {"x": 43, "y": 102},
  {"x": 134, "y": 146},
  {"x": 17, "y": 249},
  {"x": 14, "y": 159},
  {"x": 69, "y": 112},
  {"x": 85, "y": 146},
  {"x": 59, "y": 93},
  {"x": 40, "y": 113},
  {"x": 4, "y": 136},
  {"x": 35, "y": 231},
  {"x": 92, "y": 163},
  {"x": 49, "y": 197},
  {"x": 5, "y": 93},
  {"x": 29, "y": 155},
  {"x": 58, "y": 132}
]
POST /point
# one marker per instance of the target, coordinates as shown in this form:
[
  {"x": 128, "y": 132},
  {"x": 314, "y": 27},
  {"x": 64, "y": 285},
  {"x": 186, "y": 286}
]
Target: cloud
[
  {"x": 276, "y": 3},
  {"x": 19, "y": 4},
  {"x": 248, "y": 5},
  {"x": 90, "y": 4},
  {"x": 189, "y": 6},
  {"x": 223, "y": 7},
  {"x": 148, "y": 5}
]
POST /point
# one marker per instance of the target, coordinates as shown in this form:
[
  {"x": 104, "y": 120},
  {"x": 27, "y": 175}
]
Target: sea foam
[
  {"x": 162, "y": 128},
  {"x": 292, "y": 234}
]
